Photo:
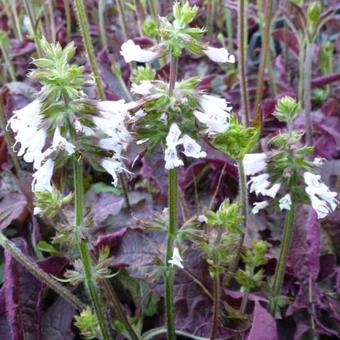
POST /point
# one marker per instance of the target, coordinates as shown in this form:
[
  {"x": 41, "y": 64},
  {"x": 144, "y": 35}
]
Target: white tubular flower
[
  {"x": 60, "y": 143},
  {"x": 172, "y": 139},
  {"x": 219, "y": 55},
  {"x": 271, "y": 192},
  {"x": 132, "y": 52},
  {"x": 114, "y": 167},
  {"x": 144, "y": 88},
  {"x": 285, "y": 202},
  {"x": 259, "y": 184},
  {"x": 254, "y": 163},
  {"x": 192, "y": 148},
  {"x": 215, "y": 114},
  {"x": 28, "y": 133},
  {"x": 176, "y": 259},
  {"x": 171, "y": 158},
  {"x": 322, "y": 199},
  {"x": 43, "y": 176},
  {"x": 259, "y": 206}
]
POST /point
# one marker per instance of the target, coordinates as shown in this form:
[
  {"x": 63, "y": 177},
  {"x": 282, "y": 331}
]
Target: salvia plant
[{"x": 64, "y": 133}]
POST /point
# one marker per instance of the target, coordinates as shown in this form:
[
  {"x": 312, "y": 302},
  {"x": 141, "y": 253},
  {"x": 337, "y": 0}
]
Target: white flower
[
  {"x": 202, "y": 219},
  {"x": 60, "y": 143},
  {"x": 176, "y": 259},
  {"x": 254, "y": 163},
  {"x": 285, "y": 202},
  {"x": 318, "y": 161},
  {"x": 144, "y": 88},
  {"x": 114, "y": 167},
  {"x": 171, "y": 158},
  {"x": 192, "y": 148},
  {"x": 37, "y": 211},
  {"x": 322, "y": 199},
  {"x": 215, "y": 113},
  {"x": 259, "y": 206},
  {"x": 132, "y": 52},
  {"x": 219, "y": 55},
  {"x": 26, "y": 124},
  {"x": 43, "y": 176},
  {"x": 260, "y": 185},
  {"x": 172, "y": 139}
]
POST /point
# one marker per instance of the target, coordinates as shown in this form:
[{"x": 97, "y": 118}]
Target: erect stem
[
  {"x": 67, "y": 11},
  {"x": 40, "y": 274},
  {"x": 122, "y": 20},
  {"x": 101, "y": 19},
  {"x": 16, "y": 20},
  {"x": 140, "y": 15},
  {"x": 243, "y": 62},
  {"x": 243, "y": 196},
  {"x": 36, "y": 32},
  {"x": 265, "y": 52},
  {"x": 172, "y": 210},
  {"x": 281, "y": 265},
  {"x": 307, "y": 98},
  {"x": 85, "y": 255},
  {"x": 8, "y": 137},
  {"x": 84, "y": 28}
]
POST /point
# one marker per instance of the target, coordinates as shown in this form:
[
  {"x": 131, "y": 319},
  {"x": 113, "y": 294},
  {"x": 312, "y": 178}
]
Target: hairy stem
[
  {"x": 8, "y": 62},
  {"x": 243, "y": 62},
  {"x": 123, "y": 24},
  {"x": 265, "y": 51},
  {"x": 85, "y": 255},
  {"x": 36, "y": 31},
  {"x": 101, "y": 20},
  {"x": 68, "y": 17},
  {"x": 243, "y": 196},
  {"x": 16, "y": 20},
  {"x": 281, "y": 264},
  {"x": 8, "y": 137},
  {"x": 84, "y": 28},
  {"x": 41, "y": 275},
  {"x": 216, "y": 305},
  {"x": 307, "y": 98}
]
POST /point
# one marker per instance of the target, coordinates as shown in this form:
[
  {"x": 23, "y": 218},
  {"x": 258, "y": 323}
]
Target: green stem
[
  {"x": 265, "y": 52},
  {"x": 8, "y": 138},
  {"x": 36, "y": 32},
  {"x": 169, "y": 274},
  {"x": 149, "y": 335},
  {"x": 301, "y": 69},
  {"x": 85, "y": 256},
  {"x": 243, "y": 62},
  {"x": 229, "y": 23},
  {"x": 243, "y": 196},
  {"x": 8, "y": 62},
  {"x": 68, "y": 19},
  {"x": 41, "y": 275},
  {"x": 122, "y": 20},
  {"x": 307, "y": 98},
  {"x": 52, "y": 23},
  {"x": 84, "y": 28},
  {"x": 17, "y": 29},
  {"x": 281, "y": 265},
  {"x": 101, "y": 19}
]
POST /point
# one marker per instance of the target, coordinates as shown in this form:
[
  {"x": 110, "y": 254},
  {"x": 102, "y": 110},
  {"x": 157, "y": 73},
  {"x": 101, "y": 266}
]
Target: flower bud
[{"x": 286, "y": 109}]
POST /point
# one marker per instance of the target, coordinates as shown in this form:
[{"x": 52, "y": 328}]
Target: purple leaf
[{"x": 263, "y": 325}]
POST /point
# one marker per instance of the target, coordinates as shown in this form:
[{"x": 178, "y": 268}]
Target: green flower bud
[
  {"x": 286, "y": 109},
  {"x": 184, "y": 14},
  {"x": 142, "y": 73},
  {"x": 150, "y": 27},
  {"x": 260, "y": 247},
  {"x": 237, "y": 140},
  {"x": 314, "y": 12},
  {"x": 86, "y": 322},
  {"x": 326, "y": 57}
]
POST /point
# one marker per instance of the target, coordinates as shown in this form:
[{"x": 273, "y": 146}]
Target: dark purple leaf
[{"x": 263, "y": 325}]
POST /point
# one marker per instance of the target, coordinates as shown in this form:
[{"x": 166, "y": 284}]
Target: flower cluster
[{"x": 321, "y": 198}]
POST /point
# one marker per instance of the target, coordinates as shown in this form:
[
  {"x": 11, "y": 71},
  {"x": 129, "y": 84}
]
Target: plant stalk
[
  {"x": 85, "y": 255},
  {"x": 8, "y": 137},
  {"x": 307, "y": 98},
  {"x": 35, "y": 30},
  {"x": 68, "y": 17},
  {"x": 17, "y": 29},
  {"x": 265, "y": 52},
  {"x": 243, "y": 196},
  {"x": 122, "y": 20},
  {"x": 40, "y": 274},
  {"x": 216, "y": 305},
  {"x": 243, "y": 62},
  {"x": 172, "y": 208},
  {"x": 8, "y": 62},
  {"x": 101, "y": 20},
  {"x": 281, "y": 265}
]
